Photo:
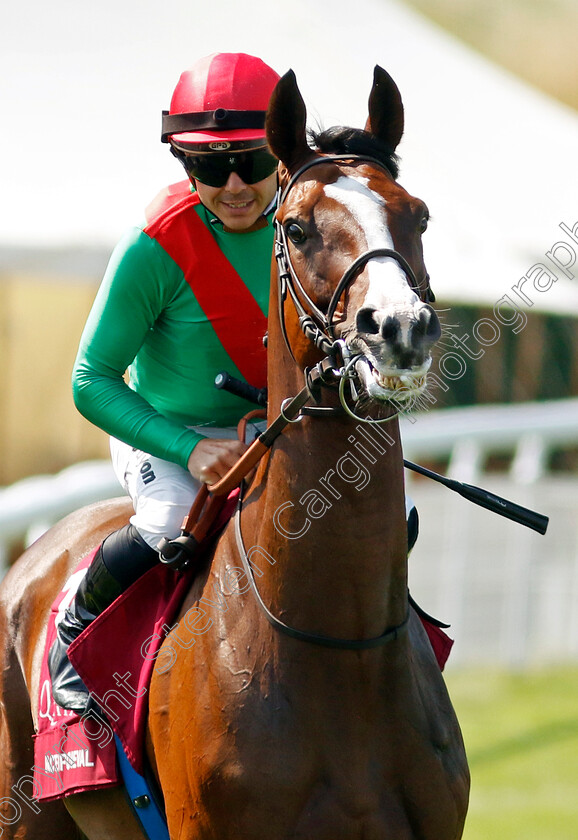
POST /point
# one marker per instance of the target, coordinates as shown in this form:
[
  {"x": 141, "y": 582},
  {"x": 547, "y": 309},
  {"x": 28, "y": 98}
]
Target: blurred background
[{"x": 490, "y": 92}]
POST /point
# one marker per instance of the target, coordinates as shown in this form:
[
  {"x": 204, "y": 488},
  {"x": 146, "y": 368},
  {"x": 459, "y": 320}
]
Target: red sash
[{"x": 221, "y": 293}]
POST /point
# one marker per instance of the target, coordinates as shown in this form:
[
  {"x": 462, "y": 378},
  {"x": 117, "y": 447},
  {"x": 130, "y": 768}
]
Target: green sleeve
[{"x": 137, "y": 285}]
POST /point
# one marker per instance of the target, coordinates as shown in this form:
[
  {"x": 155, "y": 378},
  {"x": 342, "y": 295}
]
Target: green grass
[{"x": 521, "y": 735}]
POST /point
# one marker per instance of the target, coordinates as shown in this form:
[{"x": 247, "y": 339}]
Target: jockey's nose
[{"x": 235, "y": 183}]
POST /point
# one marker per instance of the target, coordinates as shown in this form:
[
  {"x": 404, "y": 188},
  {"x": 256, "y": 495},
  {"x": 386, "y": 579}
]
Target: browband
[{"x": 201, "y": 120}]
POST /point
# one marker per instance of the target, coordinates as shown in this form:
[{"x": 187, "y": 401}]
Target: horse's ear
[
  {"x": 286, "y": 122},
  {"x": 385, "y": 109}
]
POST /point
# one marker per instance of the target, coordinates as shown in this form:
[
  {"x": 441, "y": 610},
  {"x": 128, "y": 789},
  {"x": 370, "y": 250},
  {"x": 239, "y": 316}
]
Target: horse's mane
[{"x": 340, "y": 140}]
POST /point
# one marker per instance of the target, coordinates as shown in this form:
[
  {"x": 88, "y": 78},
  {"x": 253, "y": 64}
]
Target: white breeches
[{"x": 162, "y": 492}]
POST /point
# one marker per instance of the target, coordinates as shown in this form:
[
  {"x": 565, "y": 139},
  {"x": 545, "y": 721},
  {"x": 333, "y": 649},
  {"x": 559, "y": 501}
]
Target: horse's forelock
[{"x": 340, "y": 140}]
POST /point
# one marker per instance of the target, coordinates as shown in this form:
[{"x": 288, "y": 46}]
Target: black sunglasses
[{"x": 214, "y": 169}]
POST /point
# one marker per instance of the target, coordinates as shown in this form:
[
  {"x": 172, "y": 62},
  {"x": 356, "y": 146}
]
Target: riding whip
[{"x": 522, "y": 515}]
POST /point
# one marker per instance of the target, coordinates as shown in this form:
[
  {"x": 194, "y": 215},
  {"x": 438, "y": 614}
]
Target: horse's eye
[
  {"x": 295, "y": 233},
  {"x": 423, "y": 224}
]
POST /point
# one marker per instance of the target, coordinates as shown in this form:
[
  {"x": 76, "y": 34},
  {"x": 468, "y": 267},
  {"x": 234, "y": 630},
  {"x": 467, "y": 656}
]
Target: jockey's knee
[{"x": 154, "y": 519}]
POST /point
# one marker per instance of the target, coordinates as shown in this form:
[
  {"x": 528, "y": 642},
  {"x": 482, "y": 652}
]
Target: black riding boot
[{"x": 121, "y": 559}]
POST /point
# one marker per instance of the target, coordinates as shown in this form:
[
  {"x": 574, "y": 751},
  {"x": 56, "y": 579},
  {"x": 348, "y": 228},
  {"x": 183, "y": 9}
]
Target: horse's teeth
[{"x": 395, "y": 383}]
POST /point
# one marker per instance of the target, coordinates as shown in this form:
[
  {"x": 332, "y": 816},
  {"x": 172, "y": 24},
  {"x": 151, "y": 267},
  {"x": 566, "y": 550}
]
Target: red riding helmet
[{"x": 222, "y": 97}]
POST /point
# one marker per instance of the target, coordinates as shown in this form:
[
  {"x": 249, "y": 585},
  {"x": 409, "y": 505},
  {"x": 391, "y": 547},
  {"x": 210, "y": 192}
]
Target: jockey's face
[
  {"x": 237, "y": 185},
  {"x": 238, "y": 205}
]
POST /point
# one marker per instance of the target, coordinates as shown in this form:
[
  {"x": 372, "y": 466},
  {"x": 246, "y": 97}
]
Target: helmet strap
[{"x": 219, "y": 120}]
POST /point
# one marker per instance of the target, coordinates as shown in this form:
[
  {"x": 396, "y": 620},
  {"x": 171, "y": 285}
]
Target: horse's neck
[{"x": 331, "y": 522}]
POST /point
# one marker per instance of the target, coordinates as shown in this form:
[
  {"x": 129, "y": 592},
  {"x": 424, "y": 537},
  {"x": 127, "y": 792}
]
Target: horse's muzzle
[{"x": 396, "y": 340}]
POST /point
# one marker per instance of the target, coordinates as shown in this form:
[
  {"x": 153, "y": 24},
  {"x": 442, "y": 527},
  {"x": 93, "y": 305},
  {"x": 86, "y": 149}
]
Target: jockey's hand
[{"x": 212, "y": 458}]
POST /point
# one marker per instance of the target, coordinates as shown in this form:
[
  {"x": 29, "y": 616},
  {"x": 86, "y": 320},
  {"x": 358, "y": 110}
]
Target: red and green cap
[{"x": 222, "y": 98}]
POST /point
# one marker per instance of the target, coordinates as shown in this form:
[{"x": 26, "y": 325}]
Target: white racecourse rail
[{"x": 511, "y": 595}]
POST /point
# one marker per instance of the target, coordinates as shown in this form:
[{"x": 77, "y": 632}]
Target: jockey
[{"x": 185, "y": 295}]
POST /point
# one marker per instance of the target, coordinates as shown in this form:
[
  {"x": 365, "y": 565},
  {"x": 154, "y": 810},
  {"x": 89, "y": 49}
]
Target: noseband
[{"x": 318, "y": 326}]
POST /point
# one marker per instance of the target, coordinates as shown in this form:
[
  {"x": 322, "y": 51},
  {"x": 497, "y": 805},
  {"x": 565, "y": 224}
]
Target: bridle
[{"x": 317, "y": 325}]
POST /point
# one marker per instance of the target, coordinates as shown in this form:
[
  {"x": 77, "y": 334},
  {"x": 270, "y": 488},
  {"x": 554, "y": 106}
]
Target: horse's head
[{"x": 350, "y": 236}]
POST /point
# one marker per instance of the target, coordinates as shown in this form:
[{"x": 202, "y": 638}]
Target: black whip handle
[
  {"x": 241, "y": 389},
  {"x": 523, "y": 516}
]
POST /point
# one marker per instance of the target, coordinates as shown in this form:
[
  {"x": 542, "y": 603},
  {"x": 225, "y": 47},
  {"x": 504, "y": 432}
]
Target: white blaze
[{"x": 388, "y": 283}]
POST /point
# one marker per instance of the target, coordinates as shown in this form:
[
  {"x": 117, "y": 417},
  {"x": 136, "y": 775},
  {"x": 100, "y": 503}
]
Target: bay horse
[{"x": 313, "y": 707}]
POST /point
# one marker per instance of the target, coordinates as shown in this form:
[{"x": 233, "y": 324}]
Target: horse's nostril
[
  {"x": 421, "y": 326},
  {"x": 427, "y": 326},
  {"x": 367, "y": 321},
  {"x": 390, "y": 328},
  {"x": 434, "y": 329}
]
